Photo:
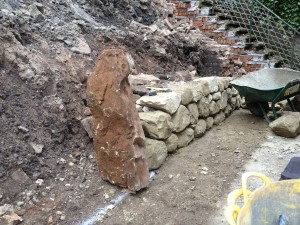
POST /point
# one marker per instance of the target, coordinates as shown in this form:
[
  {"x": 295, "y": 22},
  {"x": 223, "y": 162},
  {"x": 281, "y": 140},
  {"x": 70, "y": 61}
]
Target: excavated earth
[{"x": 48, "y": 169}]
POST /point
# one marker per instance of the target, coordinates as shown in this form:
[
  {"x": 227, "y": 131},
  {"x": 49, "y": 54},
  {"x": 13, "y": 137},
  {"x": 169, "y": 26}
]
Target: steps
[{"x": 226, "y": 37}]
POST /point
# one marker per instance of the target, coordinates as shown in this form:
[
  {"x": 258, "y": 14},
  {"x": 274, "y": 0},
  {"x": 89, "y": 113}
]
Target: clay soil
[{"x": 187, "y": 189}]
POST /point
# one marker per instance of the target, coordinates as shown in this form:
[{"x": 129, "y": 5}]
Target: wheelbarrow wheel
[{"x": 256, "y": 110}]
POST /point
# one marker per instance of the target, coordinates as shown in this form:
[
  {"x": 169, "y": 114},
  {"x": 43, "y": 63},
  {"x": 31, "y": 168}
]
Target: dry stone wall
[{"x": 174, "y": 118}]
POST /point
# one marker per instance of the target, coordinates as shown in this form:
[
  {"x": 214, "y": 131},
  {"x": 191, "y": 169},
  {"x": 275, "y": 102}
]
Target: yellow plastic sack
[{"x": 266, "y": 204}]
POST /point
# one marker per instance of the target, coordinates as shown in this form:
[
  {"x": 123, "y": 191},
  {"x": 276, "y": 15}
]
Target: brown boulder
[{"x": 119, "y": 140}]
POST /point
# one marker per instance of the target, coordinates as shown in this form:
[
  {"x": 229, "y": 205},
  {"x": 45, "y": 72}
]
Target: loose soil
[{"x": 180, "y": 193}]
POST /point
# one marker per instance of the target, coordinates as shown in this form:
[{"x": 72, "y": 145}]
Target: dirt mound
[{"x": 43, "y": 75}]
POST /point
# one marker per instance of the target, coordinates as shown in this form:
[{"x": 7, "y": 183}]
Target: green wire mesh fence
[{"x": 264, "y": 26}]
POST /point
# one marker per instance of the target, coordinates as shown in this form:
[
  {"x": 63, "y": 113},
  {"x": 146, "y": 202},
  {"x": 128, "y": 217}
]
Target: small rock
[
  {"x": 204, "y": 172},
  {"x": 35, "y": 13},
  {"x": 62, "y": 161},
  {"x": 106, "y": 196},
  {"x": 63, "y": 217},
  {"x": 59, "y": 212},
  {"x": 87, "y": 111},
  {"x": 6, "y": 208},
  {"x": 20, "y": 203},
  {"x": 50, "y": 219},
  {"x": 12, "y": 219},
  {"x": 29, "y": 194},
  {"x": 82, "y": 47},
  {"x": 152, "y": 93},
  {"x": 38, "y": 149},
  {"x": 204, "y": 168},
  {"x": 39, "y": 182},
  {"x": 20, "y": 177},
  {"x": 192, "y": 178},
  {"x": 24, "y": 129},
  {"x": 87, "y": 125}
]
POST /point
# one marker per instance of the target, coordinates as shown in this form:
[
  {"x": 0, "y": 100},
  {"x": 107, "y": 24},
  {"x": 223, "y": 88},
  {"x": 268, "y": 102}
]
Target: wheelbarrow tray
[
  {"x": 268, "y": 85},
  {"x": 267, "y": 203}
]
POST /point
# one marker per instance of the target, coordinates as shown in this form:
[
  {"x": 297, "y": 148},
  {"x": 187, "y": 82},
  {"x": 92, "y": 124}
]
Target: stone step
[
  {"x": 211, "y": 20},
  {"x": 204, "y": 20},
  {"x": 182, "y": 5},
  {"x": 218, "y": 47},
  {"x": 218, "y": 35},
  {"x": 252, "y": 66},
  {"x": 255, "y": 46},
  {"x": 221, "y": 28},
  {"x": 237, "y": 48},
  {"x": 227, "y": 41},
  {"x": 205, "y": 11},
  {"x": 224, "y": 16},
  {"x": 243, "y": 58}
]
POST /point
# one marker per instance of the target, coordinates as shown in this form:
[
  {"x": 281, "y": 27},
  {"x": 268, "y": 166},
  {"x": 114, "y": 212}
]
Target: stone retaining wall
[{"x": 173, "y": 119}]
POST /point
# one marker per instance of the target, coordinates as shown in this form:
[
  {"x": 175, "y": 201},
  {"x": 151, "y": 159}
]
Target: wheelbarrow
[
  {"x": 268, "y": 85},
  {"x": 274, "y": 203}
]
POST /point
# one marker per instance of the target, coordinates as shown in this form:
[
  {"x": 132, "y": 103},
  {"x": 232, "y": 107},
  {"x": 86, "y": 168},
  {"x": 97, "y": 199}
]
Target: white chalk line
[{"x": 101, "y": 212}]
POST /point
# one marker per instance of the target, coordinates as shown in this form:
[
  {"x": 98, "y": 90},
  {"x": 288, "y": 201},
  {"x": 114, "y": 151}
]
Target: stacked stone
[{"x": 171, "y": 120}]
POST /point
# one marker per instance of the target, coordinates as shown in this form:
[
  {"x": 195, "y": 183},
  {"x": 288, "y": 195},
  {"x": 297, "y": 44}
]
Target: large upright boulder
[{"x": 119, "y": 140}]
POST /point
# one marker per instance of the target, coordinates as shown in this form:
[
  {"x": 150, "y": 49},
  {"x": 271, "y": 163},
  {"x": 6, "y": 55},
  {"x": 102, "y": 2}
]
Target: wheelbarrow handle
[
  {"x": 232, "y": 210},
  {"x": 245, "y": 178},
  {"x": 295, "y": 81}
]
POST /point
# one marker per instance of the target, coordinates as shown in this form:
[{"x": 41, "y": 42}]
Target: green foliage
[{"x": 289, "y": 10}]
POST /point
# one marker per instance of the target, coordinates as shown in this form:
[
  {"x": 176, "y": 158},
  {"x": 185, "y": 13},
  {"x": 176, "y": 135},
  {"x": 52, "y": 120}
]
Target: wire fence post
[
  {"x": 293, "y": 50},
  {"x": 251, "y": 19}
]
